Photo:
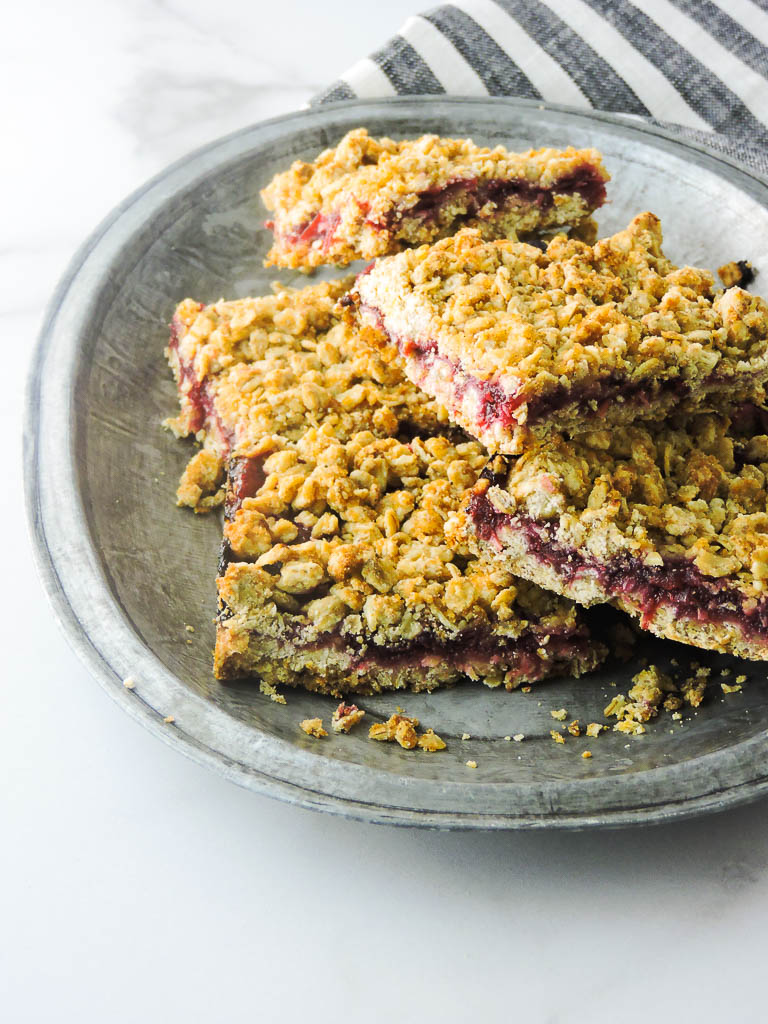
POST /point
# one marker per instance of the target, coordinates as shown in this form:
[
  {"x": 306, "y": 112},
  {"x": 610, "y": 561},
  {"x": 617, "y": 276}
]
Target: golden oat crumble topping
[
  {"x": 535, "y": 323},
  {"x": 351, "y": 537},
  {"x": 695, "y": 489},
  {"x": 364, "y": 189},
  {"x": 277, "y": 365}
]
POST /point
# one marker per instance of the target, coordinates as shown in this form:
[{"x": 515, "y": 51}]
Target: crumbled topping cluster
[
  {"x": 366, "y": 187},
  {"x": 696, "y": 488},
  {"x": 345, "y": 717},
  {"x": 404, "y": 730},
  {"x": 350, "y": 535},
  {"x": 313, "y": 727},
  {"x": 535, "y": 322},
  {"x": 654, "y": 691}
]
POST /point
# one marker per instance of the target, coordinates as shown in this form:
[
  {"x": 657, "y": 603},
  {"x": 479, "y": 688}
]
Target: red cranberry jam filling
[
  {"x": 197, "y": 392},
  {"x": 502, "y": 193}
]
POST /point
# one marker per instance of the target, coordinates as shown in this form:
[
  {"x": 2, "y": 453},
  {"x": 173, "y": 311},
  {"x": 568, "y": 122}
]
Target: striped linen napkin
[{"x": 700, "y": 67}]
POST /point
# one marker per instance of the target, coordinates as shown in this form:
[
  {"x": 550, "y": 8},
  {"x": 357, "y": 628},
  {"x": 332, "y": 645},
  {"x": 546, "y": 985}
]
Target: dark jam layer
[
  {"x": 196, "y": 391},
  {"x": 503, "y": 193},
  {"x": 321, "y": 228},
  {"x": 479, "y": 647},
  {"x": 473, "y": 647},
  {"x": 499, "y": 406},
  {"x": 677, "y": 584},
  {"x": 244, "y": 480}
]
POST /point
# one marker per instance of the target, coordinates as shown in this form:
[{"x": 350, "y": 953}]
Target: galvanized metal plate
[{"x": 127, "y": 572}]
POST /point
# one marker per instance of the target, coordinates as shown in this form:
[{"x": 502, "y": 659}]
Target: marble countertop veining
[{"x": 138, "y": 886}]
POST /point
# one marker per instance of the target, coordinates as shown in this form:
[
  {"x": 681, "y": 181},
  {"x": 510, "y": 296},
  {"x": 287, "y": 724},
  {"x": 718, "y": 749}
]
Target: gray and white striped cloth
[{"x": 698, "y": 65}]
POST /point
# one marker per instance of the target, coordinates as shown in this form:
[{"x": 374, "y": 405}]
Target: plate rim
[{"x": 52, "y": 573}]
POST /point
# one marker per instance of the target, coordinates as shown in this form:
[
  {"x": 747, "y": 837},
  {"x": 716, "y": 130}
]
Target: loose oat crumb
[
  {"x": 471, "y": 764},
  {"x": 403, "y": 730},
  {"x": 587, "y": 754},
  {"x": 190, "y": 629},
  {"x": 628, "y": 726},
  {"x": 526, "y": 689},
  {"x": 737, "y": 272},
  {"x": 556, "y": 736},
  {"x": 519, "y": 737},
  {"x": 169, "y": 719},
  {"x": 730, "y": 689},
  {"x": 677, "y": 717},
  {"x": 615, "y": 706},
  {"x": 430, "y": 741},
  {"x": 313, "y": 727},
  {"x": 507, "y": 739},
  {"x": 594, "y": 729},
  {"x": 271, "y": 692},
  {"x": 574, "y": 728},
  {"x": 560, "y": 715},
  {"x": 726, "y": 672},
  {"x": 693, "y": 691},
  {"x": 129, "y": 683},
  {"x": 465, "y": 736},
  {"x": 345, "y": 717},
  {"x": 741, "y": 679}
]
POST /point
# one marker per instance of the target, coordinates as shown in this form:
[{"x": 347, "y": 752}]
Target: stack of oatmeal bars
[{"x": 426, "y": 468}]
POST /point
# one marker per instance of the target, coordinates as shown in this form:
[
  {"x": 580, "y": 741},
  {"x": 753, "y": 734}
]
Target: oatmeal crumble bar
[
  {"x": 274, "y": 365},
  {"x": 337, "y": 575},
  {"x": 668, "y": 522},
  {"x": 370, "y": 197},
  {"x": 511, "y": 339}
]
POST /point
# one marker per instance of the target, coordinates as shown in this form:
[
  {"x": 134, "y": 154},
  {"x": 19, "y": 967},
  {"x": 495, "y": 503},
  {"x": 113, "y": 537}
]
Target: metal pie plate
[{"x": 127, "y": 571}]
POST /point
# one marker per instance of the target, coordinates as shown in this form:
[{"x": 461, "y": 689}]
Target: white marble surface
[{"x": 136, "y": 886}]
